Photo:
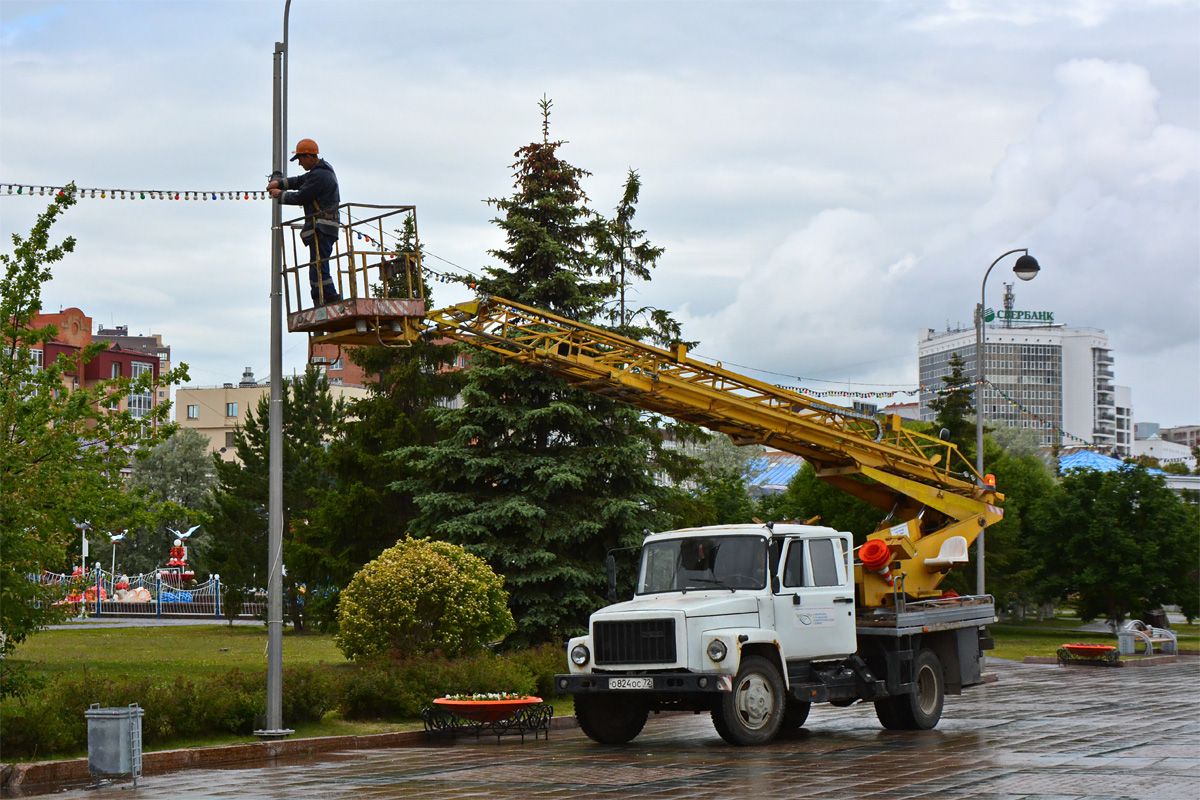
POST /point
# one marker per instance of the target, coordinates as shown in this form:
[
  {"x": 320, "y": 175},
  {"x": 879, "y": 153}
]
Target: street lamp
[
  {"x": 1026, "y": 269},
  {"x": 273, "y": 728}
]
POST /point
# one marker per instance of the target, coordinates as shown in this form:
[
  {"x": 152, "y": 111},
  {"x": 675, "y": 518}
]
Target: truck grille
[{"x": 643, "y": 641}]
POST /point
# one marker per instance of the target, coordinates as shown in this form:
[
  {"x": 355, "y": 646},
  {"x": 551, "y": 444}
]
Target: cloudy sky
[{"x": 828, "y": 178}]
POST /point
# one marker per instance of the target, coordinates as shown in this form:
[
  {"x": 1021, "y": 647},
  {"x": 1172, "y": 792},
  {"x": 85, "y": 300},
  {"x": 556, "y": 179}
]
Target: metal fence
[{"x": 164, "y": 592}]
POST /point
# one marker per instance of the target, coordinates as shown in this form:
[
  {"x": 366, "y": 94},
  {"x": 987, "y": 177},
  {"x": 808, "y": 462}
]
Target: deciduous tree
[
  {"x": 1120, "y": 542},
  {"x": 61, "y": 449},
  {"x": 176, "y": 476}
]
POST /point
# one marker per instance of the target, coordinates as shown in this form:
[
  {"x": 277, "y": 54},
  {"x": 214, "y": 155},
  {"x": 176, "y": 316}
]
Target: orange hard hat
[{"x": 305, "y": 146}]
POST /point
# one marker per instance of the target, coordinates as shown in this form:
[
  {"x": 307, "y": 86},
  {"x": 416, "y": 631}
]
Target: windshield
[{"x": 704, "y": 562}]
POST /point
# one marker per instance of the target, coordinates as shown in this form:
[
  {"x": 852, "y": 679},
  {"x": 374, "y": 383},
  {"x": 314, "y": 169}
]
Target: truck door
[{"x": 814, "y": 609}]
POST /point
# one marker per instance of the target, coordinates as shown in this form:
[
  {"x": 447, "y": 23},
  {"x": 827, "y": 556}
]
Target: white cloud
[{"x": 827, "y": 177}]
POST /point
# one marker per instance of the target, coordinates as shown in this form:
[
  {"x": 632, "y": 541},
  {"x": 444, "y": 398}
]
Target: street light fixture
[{"x": 1026, "y": 269}]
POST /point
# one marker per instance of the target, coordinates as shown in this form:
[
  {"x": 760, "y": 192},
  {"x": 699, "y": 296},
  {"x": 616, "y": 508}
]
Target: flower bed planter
[
  {"x": 1082, "y": 653},
  {"x": 519, "y": 715},
  {"x": 486, "y": 710}
]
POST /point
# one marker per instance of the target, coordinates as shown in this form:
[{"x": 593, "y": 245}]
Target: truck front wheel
[
  {"x": 610, "y": 719},
  {"x": 920, "y": 709},
  {"x": 752, "y": 713}
]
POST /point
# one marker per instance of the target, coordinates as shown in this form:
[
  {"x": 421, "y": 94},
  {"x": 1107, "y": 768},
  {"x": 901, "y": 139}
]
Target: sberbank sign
[{"x": 991, "y": 315}]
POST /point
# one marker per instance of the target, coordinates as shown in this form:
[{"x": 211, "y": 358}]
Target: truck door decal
[{"x": 814, "y": 618}]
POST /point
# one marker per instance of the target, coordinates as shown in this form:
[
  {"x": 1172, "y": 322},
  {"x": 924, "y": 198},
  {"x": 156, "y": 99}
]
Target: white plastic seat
[{"x": 952, "y": 553}]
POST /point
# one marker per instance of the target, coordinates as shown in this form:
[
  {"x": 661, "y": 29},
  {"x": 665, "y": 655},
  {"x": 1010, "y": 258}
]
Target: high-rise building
[{"x": 1038, "y": 375}]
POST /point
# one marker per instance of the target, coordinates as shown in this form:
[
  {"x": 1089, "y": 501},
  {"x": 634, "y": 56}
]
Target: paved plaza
[{"x": 1040, "y": 731}]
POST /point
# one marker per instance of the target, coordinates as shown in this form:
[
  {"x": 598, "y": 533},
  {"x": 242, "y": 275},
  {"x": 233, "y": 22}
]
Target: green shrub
[
  {"x": 543, "y": 663},
  {"x": 49, "y": 720},
  {"x": 422, "y": 596},
  {"x": 402, "y": 689}
]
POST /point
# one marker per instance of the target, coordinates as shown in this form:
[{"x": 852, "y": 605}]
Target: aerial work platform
[{"x": 376, "y": 268}]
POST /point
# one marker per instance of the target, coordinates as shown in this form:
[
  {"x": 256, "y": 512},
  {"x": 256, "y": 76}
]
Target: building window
[
  {"x": 36, "y": 356},
  {"x": 231, "y": 409},
  {"x": 116, "y": 369},
  {"x": 140, "y": 403},
  {"x": 193, "y": 412},
  {"x": 230, "y": 439},
  {"x": 337, "y": 364}
]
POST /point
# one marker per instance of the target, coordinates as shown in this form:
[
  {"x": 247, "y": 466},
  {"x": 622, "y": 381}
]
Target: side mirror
[
  {"x": 774, "y": 583},
  {"x": 610, "y": 564}
]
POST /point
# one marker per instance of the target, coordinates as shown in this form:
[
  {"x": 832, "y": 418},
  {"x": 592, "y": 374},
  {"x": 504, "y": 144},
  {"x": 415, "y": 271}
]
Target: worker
[{"x": 317, "y": 191}]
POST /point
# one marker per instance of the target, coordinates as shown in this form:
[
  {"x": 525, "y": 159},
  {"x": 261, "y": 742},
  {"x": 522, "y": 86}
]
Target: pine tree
[{"x": 539, "y": 479}]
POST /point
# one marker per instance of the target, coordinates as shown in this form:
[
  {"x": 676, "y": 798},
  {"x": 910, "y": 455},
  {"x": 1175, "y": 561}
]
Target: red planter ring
[
  {"x": 486, "y": 710},
  {"x": 1081, "y": 649}
]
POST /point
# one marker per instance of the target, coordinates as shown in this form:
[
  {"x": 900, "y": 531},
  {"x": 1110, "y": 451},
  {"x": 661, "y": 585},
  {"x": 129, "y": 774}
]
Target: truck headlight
[
  {"x": 717, "y": 650},
  {"x": 580, "y": 655}
]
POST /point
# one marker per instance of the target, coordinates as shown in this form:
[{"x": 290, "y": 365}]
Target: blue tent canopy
[{"x": 1086, "y": 459}]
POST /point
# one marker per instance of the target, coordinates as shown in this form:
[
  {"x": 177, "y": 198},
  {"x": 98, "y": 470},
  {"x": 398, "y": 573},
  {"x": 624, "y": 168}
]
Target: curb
[
  {"x": 1144, "y": 661},
  {"x": 75, "y": 770}
]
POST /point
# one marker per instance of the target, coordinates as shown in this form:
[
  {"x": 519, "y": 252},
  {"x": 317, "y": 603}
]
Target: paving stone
[{"x": 1038, "y": 733}]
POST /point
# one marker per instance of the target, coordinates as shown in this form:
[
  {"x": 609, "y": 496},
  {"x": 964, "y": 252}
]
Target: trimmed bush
[
  {"x": 401, "y": 689},
  {"x": 422, "y": 596},
  {"x": 52, "y": 721},
  {"x": 49, "y": 721}
]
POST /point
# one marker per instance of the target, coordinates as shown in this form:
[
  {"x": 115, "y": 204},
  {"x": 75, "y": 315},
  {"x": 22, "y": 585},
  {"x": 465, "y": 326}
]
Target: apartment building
[
  {"x": 75, "y": 334},
  {"x": 216, "y": 411}
]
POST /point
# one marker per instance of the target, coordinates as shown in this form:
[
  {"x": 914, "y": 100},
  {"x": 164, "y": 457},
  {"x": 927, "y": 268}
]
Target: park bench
[{"x": 1134, "y": 632}]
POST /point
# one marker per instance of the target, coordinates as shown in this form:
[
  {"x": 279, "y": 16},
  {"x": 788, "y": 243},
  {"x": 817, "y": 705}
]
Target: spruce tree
[
  {"x": 368, "y": 511},
  {"x": 237, "y": 550},
  {"x": 954, "y": 407},
  {"x": 537, "y": 478},
  {"x": 627, "y": 256}
]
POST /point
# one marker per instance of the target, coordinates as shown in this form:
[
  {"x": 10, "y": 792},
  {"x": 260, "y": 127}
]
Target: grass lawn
[
  {"x": 196, "y": 650},
  {"x": 168, "y": 651},
  {"x": 1015, "y": 640}
]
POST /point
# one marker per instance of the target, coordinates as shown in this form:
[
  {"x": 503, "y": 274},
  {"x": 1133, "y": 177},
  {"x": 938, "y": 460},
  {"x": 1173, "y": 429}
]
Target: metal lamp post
[
  {"x": 1026, "y": 269},
  {"x": 274, "y": 717}
]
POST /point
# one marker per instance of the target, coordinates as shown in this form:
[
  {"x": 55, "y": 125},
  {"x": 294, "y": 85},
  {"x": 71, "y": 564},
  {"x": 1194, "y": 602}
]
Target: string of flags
[
  {"x": 31, "y": 190},
  {"x": 1035, "y": 417},
  {"x": 886, "y": 395},
  {"x": 941, "y": 391},
  {"x": 28, "y": 190}
]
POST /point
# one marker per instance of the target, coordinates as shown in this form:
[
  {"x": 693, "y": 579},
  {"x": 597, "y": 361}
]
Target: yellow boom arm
[{"x": 930, "y": 493}]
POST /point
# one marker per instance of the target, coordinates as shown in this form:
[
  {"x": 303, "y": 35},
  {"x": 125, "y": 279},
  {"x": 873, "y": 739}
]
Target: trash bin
[
  {"x": 115, "y": 741},
  {"x": 1157, "y": 619}
]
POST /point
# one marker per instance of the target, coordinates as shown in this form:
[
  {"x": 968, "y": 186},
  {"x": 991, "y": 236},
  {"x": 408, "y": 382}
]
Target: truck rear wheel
[
  {"x": 752, "y": 713},
  {"x": 920, "y": 709},
  {"x": 610, "y": 719}
]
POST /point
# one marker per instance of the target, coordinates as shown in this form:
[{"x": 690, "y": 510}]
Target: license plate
[{"x": 631, "y": 683}]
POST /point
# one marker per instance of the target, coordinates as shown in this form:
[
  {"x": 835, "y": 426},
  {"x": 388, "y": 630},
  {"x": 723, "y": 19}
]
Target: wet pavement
[{"x": 1040, "y": 731}]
